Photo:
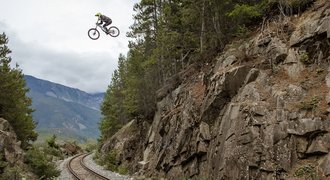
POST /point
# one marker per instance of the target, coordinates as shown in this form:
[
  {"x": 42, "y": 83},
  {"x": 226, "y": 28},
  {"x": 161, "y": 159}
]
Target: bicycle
[{"x": 94, "y": 34}]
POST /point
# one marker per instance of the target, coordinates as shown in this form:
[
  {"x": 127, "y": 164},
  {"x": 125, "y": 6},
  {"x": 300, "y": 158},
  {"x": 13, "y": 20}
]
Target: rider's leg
[{"x": 105, "y": 26}]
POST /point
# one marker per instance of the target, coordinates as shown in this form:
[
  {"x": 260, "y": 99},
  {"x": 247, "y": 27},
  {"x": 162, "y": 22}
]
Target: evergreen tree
[
  {"x": 14, "y": 104},
  {"x": 113, "y": 109}
]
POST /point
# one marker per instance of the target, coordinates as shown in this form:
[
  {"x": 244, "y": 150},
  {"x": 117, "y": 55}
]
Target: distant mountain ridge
[
  {"x": 64, "y": 93},
  {"x": 64, "y": 111}
]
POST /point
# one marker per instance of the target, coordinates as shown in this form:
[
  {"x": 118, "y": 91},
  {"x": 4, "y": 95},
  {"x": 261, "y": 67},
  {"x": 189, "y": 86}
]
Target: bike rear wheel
[
  {"x": 93, "y": 33},
  {"x": 113, "y": 31}
]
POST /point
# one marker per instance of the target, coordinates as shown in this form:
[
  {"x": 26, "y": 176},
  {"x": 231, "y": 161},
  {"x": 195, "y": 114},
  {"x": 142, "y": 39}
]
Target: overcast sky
[{"x": 48, "y": 39}]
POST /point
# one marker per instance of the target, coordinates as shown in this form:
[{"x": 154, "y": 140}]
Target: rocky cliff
[
  {"x": 11, "y": 154},
  {"x": 260, "y": 111},
  {"x": 9, "y": 145}
]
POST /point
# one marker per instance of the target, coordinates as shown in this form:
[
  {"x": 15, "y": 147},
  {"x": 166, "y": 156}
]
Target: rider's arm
[{"x": 99, "y": 21}]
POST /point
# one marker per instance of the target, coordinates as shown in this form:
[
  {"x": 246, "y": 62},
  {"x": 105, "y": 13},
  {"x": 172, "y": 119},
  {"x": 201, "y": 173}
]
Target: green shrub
[
  {"x": 97, "y": 156},
  {"x": 110, "y": 161},
  {"x": 90, "y": 146},
  {"x": 52, "y": 142},
  {"x": 242, "y": 31},
  {"x": 244, "y": 15},
  {"x": 122, "y": 169},
  {"x": 306, "y": 170},
  {"x": 11, "y": 173},
  {"x": 52, "y": 148},
  {"x": 244, "y": 12},
  {"x": 41, "y": 164},
  {"x": 304, "y": 58},
  {"x": 311, "y": 104},
  {"x": 54, "y": 152},
  {"x": 3, "y": 163}
]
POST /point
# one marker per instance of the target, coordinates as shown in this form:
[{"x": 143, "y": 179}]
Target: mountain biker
[{"x": 103, "y": 19}]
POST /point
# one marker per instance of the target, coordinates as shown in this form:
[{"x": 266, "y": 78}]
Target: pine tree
[
  {"x": 115, "y": 113},
  {"x": 14, "y": 104}
]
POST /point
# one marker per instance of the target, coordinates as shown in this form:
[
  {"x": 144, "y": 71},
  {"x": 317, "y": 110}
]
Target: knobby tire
[
  {"x": 93, "y": 33},
  {"x": 114, "y": 31}
]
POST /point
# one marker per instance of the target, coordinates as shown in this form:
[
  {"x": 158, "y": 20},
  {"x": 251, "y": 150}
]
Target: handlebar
[{"x": 98, "y": 24}]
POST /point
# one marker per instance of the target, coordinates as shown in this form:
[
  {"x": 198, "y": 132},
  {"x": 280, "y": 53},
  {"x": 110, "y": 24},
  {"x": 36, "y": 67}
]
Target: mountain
[{"x": 67, "y": 112}]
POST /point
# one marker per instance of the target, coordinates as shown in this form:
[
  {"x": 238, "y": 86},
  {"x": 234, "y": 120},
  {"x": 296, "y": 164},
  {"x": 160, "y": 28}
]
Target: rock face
[
  {"x": 126, "y": 145},
  {"x": 263, "y": 115},
  {"x": 10, "y": 149},
  {"x": 70, "y": 149}
]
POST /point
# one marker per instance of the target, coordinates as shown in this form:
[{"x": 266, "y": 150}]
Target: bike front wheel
[
  {"x": 93, "y": 33},
  {"x": 113, "y": 31}
]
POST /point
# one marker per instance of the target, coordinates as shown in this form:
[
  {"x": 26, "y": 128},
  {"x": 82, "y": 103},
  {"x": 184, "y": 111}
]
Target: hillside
[
  {"x": 258, "y": 110},
  {"x": 64, "y": 111}
]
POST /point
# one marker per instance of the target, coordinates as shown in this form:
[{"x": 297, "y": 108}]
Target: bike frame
[{"x": 101, "y": 27}]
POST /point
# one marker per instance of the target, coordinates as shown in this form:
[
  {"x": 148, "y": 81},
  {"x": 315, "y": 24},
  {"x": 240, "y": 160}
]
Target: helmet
[{"x": 98, "y": 14}]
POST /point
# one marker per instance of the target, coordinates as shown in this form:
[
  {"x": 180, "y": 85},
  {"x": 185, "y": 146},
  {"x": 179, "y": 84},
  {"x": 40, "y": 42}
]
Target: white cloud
[
  {"x": 49, "y": 39},
  {"x": 88, "y": 71}
]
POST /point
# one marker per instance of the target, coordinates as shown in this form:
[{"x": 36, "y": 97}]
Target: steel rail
[
  {"x": 83, "y": 165},
  {"x": 68, "y": 165}
]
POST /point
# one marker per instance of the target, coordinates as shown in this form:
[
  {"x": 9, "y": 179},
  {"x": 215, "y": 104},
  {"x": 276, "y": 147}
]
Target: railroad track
[{"x": 80, "y": 171}]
